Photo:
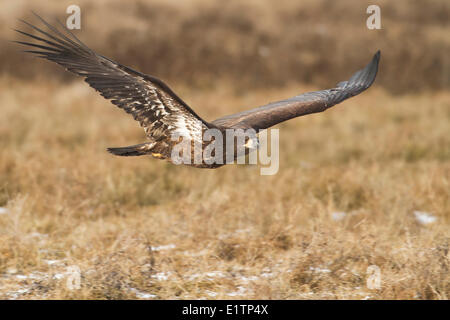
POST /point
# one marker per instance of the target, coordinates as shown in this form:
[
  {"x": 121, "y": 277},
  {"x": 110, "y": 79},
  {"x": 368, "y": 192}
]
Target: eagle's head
[{"x": 252, "y": 143}]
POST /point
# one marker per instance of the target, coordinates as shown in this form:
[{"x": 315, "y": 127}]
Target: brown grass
[
  {"x": 139, "y": 226},
  {"x": 231, "y": 232}
]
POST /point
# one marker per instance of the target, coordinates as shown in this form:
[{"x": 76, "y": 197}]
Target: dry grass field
[{"x": 365, "y": 183}]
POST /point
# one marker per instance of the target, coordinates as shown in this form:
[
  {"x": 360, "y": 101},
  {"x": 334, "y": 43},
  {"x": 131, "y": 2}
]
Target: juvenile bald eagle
[{"x": 161, "y": 112}]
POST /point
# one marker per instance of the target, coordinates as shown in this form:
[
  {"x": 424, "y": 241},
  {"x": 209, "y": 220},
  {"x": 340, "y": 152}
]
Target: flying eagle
[{"x": 161, "y": 112}]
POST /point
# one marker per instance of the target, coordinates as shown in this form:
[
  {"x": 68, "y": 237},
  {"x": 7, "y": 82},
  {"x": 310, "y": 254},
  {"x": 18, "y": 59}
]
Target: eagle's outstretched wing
[
  {"x": 311, "y": 102},
  {"x": 151, "y": 102}
]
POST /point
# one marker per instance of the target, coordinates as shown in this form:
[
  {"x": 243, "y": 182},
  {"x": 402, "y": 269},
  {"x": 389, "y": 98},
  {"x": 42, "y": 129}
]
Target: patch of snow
[
  {"x": 215, "y": 274},
  {"x": 320, "y": 270},
  {"x": 11, "y": 270},
  {"x": 239, "y": 231},
  {"x": 16, "y": 294},
  {"x": 164, "y": 247},
  {"x": 161, "y": 276},
  {"x": 34, "y": 275},
  {"x": 143, "y": 295},
  {"x": 424, "y": 217},
  {"x": 267, "y": 274},
  {"x": 241, "y": 291},
  {"x": 211, "y": 293},
  {"x": 38, "y": 235},
  {"x": 247, "y": 279},
  {"x": 338, "y": 215},
  {"x": 59, "y": 276},
  {"x": 196, "y": 254},
  {"x": 209, "y": 275},
  {"x": 38, "y": 275}
]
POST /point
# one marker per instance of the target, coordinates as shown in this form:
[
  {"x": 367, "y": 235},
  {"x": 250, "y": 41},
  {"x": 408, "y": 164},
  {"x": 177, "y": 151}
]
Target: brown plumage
[{"x": 161, "y": 112}]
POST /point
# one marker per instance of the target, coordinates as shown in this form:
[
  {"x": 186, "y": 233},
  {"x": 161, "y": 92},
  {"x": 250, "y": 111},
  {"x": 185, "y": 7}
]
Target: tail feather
[{"x": 136, "y": 150}]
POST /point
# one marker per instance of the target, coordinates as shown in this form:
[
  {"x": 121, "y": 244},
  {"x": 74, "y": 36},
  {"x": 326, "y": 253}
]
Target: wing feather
[
  {"x": 150, "y": 101},
  {"x": 311, "y": 102}
]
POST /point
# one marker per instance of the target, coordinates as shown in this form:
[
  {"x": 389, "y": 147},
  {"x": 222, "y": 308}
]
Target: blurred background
[{"x": 253, "y": 43}]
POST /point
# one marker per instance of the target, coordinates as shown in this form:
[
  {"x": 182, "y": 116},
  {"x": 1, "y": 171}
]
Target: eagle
[{"x": 164, "y": 115}]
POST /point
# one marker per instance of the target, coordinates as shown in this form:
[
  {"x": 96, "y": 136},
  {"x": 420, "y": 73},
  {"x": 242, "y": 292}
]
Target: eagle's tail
[{"x": 136, "y": 150}]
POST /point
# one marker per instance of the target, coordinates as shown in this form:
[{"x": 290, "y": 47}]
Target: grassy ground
[{"x": 143, "y": 228}]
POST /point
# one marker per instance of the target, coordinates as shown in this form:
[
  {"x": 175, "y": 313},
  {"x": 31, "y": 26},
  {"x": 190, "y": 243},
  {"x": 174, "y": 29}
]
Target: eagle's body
[{"x": 163, "y": 115}]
